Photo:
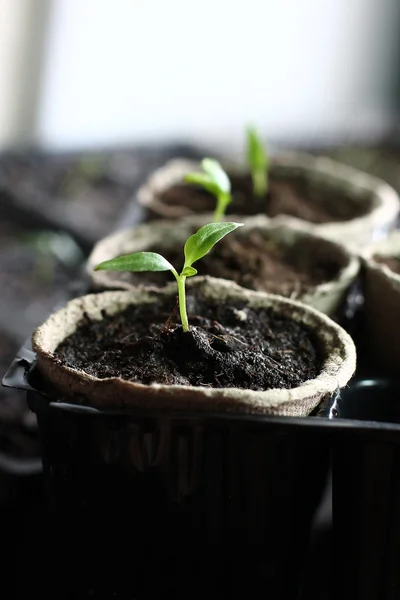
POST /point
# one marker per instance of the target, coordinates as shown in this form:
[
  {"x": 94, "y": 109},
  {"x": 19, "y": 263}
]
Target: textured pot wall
[{"x": 382, "y": 306}]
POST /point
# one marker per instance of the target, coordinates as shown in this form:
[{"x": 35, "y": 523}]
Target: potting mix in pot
[
  {"x": 258, "y": 264},
  {"x": 265, "y": 190},
  {"x": 226, "y": 346}
]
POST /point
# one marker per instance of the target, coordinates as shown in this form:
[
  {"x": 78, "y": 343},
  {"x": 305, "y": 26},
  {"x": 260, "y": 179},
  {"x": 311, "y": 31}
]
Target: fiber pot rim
[
  {"x": 383, "y": 197},
  {"x": 338, "y": 366},
  {"x": 278, "y": 228}
]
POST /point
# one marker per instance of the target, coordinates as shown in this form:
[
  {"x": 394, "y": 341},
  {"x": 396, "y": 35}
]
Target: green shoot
[
  {"x": 216, "y": 181},
  {"x": 196, "y": 246},
  {"x": 258, "y": 162}
]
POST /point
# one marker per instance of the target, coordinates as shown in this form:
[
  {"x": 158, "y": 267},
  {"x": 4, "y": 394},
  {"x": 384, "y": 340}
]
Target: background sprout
[
  {"x": 258, "y": 162},
  {"x": 216, "y": 181},
  {"x": 197, "y": 246}
]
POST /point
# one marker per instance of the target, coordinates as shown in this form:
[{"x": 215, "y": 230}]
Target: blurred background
[
  {"x": 95, "y": 94},
  {"x": 83, "y": 73}
]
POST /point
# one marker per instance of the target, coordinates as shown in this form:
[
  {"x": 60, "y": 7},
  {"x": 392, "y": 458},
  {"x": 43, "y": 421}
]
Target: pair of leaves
[
  {"x": 213, "y": 180},
  {"x": 197, "y": 246}
]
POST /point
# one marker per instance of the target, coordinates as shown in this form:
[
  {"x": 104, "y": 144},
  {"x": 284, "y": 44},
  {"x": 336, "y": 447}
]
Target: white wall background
[
  {"x": 23, "y": 32},
  {"x": 122, "y": 71}
]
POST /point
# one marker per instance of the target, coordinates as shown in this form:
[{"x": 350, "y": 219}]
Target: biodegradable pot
[
  {"x": 337, "y": 349},
  {"x": 366, "y": 491},
  {"x": 164, "y": 236},
  {"x": 340, "y": 183},
  {"x": 382, "y": 306}
]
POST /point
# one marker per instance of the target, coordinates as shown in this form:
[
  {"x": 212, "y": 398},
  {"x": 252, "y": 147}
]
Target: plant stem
[
  {"x": 182, "y": 302},
  {"x": 181, "y": 279},
  {"x": 222, "y": 202},
  {"x": 260, "y": 182}
]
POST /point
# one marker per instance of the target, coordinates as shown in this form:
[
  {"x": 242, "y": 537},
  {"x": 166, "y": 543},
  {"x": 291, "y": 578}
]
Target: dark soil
[
  {"x": 390, "y": 261},
  {"x": 256, "y": 350},
  {"x": 257, "y": 264},
  {"x": 295, "y": 197}
]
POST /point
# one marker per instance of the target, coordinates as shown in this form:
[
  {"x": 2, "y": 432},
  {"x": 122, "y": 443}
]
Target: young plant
[
  {"x": 197, "y": 246},
  {"x": 216, "y": 181},
  {"x": 258, "y": 162}
]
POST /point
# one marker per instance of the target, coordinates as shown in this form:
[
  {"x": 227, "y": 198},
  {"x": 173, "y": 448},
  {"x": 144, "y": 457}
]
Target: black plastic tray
[
  {"x": 211, "y": 505},
  {"x": 86, "y": 480}
]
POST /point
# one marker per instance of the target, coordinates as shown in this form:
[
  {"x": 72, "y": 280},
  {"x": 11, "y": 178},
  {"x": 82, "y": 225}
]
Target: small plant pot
[
  {"x": 382, "y": 305},
  {"x": 366, "y": 491},
  {"x": 213, "y": 496},
  {"x": 334, "y": 344},
  {"x": 295, "y": 256},
  {"x": 341, "y": 203}
]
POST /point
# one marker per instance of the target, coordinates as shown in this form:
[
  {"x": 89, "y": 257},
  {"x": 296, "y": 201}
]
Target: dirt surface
[
  {"x": 295, "y": 197},
  {"x": 253, "y": 350}
]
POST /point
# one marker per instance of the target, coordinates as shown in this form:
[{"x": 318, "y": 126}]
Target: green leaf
[
  {"x": 200, "y": 243},
  {"x": 204, "y": 181},
  {"x": 256, "y": 153},
  {"x": 139, "y": 261},
  {"x": 217, "y": 174},
  {"x": 189, "y": 271},
  {"x": 214, "y": 179}
]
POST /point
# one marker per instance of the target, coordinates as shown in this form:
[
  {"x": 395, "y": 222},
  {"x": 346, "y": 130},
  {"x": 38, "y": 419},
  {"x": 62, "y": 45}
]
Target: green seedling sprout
[
  {"x": 258, "y": 162},
  {"x": 196, "y": 246},
  {"x": 216, "y": 181}
]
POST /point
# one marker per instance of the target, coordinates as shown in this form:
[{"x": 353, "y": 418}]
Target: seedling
[
  {"x": 196, "y": 246},
  {"x": 216, "y": 181},
  {"x": 258, "y": 162}
]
